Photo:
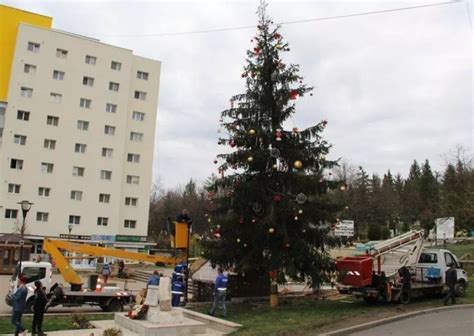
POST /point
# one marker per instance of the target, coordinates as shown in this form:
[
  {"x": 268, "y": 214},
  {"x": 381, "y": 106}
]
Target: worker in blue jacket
[
  {"x": 179, "y": 271},
  {"x": 154, "y": 279},
  {"x": 220, "y": 289},
  {"x": 177, "y": 290}
]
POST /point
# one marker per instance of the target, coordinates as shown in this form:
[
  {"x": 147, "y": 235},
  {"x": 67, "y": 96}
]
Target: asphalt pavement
[{"x": 458, "y": 322}]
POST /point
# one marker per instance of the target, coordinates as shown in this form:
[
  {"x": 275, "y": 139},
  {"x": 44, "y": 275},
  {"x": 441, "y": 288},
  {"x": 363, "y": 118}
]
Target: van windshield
[{"x": 428, "y": 258}]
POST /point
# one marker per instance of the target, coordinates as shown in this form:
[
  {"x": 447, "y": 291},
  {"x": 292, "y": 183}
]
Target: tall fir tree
[{"x": 272, "y": 207}]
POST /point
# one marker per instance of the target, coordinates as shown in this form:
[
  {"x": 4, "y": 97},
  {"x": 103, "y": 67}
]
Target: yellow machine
[{"x": 54, "y": 247}]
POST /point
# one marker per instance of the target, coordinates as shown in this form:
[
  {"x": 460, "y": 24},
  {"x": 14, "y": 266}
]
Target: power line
[{"x": 284, "y": 22}]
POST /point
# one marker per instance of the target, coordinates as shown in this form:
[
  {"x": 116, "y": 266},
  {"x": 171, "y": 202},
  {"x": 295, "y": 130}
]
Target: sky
[{"x": 394, "y": 87}]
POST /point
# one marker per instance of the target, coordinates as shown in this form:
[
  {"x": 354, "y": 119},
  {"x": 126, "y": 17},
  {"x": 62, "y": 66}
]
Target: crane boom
[{"x": 53, "y": 247}]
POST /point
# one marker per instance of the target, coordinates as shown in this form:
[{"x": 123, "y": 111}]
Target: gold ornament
[
  {"x": 250, "y": 159},
  {"x": 238, "y": 240},
  {"x": 300, "y": 211},
  {"x": 275, "y": 166},
  {"x": 298, "y": 164},
  {"x": 252, "y": 131},
  {"x": 271, "y": 230}
]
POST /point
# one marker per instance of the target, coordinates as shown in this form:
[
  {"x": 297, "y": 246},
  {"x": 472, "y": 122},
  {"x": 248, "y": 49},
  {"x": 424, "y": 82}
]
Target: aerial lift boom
[{"x": 54, "y": 247}]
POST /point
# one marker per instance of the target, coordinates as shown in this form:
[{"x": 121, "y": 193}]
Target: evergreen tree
[
  {"x": 429, "y": 196},
  {"x": 272, "y": 208},
  {"x": 359, "y": 203},
  {"x": 412, "y": 203}
]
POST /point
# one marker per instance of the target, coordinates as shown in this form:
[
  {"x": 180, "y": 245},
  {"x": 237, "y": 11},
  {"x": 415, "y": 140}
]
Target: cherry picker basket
[{"x": 355, "y": 271}]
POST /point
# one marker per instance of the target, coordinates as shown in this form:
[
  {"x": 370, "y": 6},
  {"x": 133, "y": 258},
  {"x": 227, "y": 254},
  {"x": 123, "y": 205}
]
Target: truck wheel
[
  {"x": 405, "y": 296},
  {"x": 29, "y": 305},
  {"x": 115, "y": 306},
  {"x": 461, "y": 288}
]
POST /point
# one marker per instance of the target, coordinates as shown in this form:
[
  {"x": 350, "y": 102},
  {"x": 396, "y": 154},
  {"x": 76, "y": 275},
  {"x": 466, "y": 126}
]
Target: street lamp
[{"x": 25, "y": 207}]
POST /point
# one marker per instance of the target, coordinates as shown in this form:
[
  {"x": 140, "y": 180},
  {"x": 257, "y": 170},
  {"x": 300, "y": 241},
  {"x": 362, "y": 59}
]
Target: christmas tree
[{"x": 272, "y": 202}]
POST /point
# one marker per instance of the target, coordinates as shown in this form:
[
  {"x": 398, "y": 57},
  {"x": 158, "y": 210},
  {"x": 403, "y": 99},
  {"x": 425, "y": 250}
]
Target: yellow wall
[{"x": 9, "y": 20}]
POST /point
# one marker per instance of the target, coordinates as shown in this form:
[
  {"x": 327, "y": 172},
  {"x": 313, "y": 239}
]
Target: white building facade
[{"x": 78, "y": 139}]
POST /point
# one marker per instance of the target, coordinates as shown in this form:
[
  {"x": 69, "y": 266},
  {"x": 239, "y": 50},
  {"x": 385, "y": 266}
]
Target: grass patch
[
  {"x": 51, "y": 322},
  {"x": 306, "y": 316}
]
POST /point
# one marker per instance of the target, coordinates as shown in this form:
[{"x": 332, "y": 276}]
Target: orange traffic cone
[{"x": 98, "y": 286}]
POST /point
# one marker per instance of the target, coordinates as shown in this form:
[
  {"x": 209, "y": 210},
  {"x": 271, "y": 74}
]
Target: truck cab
[
  {"x": 31, "y": 271},
  {"x": 434, "y": 262}
]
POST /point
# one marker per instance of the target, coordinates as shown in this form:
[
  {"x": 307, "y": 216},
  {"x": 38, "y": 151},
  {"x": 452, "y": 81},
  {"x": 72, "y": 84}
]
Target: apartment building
[{"x": 77, "y": 125}]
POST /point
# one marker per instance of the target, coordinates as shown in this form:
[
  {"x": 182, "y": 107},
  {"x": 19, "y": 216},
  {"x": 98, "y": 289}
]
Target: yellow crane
[{"x": 54, "y": 247}]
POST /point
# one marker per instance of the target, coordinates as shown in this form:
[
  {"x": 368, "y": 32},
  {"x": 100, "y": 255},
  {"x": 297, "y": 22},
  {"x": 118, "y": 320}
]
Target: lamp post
[{"x": 25, "y": 207}]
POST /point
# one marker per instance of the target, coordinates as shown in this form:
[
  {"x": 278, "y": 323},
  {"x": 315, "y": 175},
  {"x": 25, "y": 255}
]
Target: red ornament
[
  {"x": 257, "y": 50},
  {"x": 215, "y": 161},
  {"x": 325, "y": 122},
  {"x": 241, "y": 221},
  {"x": 277, "y": 36},
  {"x": 276, "y": 198},
  {"x": 293, "y": 94},
  {"x": 254, "y": 220},
  {"x": 244, "y": 75},
  {"x": 232, "y": 143}
]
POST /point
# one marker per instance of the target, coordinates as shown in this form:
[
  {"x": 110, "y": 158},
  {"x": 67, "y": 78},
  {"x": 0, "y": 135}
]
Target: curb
[{"x": 368, "y": 325}]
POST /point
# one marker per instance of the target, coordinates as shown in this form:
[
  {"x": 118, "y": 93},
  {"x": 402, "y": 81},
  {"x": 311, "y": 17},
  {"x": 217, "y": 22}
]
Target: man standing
[
  {"x": 39, "y": 308},
  {"x": 177, "y": 290},
  {"x": 19, "y": 302},
  {"x": 451, "y": 280},
  {"x": 106, "y": 271},
  {"x": 220, "y": 289}
]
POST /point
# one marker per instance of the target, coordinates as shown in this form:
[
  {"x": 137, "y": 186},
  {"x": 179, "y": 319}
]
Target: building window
[
  {"x": 42, "y": 216},
  {"x": 61, "y": 53},
  {"x": 11, "y": 213},
  {"x": 49, "y": 143},
  {"x": 91, "y": 59},
  {"x": 102, "y": 221},
  {"x": 47, "y": 167},
  {"x": 73, "y": 219},
  {"x": 19, "y": 139},
  {"x": 58, "y": 75},
  {"x": 130, "y": 224},
  {"x": 135, "y": 158},
  {"x": 80, "y": 148},
  {"x": 88, "y": 81},
  {"x": 133, "y": 179},
  {"x": 82, "y": 125},
  {"x": 111, "y": 108},
  {"x": 131, "y": 201},
  {"x": 43, "y": 191},
  {"x": 16, "y": 164},
  {"x": 104, "y": 198},
  {"x": 105, "y": 175},
  {"x": 140, "y": 95},
  {"x": 142, "y": 75},
  {"x": 26, "y": 92},
  {"x": 29, "y": 69},
  {"x": 138, "y": 116},
  {"x": 14, "y": 188},
  {"x": 78, "y": 171},
  {"x": 85, "y": 103},
  {"x": 135, "y": 136},
  {"x": 55, "y": 97},
  {"x": 34, "y": 47},
  {"x": 52, "y": 120},
  {"x": 107, "y": 152},
  {"x": 23, "y": 115},
  {"x": 109, "y": 130},
  {"x": 114, "y": 86},
  {"x": 76, "y": 195},
  {"x": 116, "y": 66}
]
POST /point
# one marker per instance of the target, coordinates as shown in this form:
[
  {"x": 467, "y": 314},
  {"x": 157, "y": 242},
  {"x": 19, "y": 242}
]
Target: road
[{"x": 459, "y": 322}]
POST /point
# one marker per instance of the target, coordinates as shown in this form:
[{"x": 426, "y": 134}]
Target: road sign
[{"x": 344, "y": 228}]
